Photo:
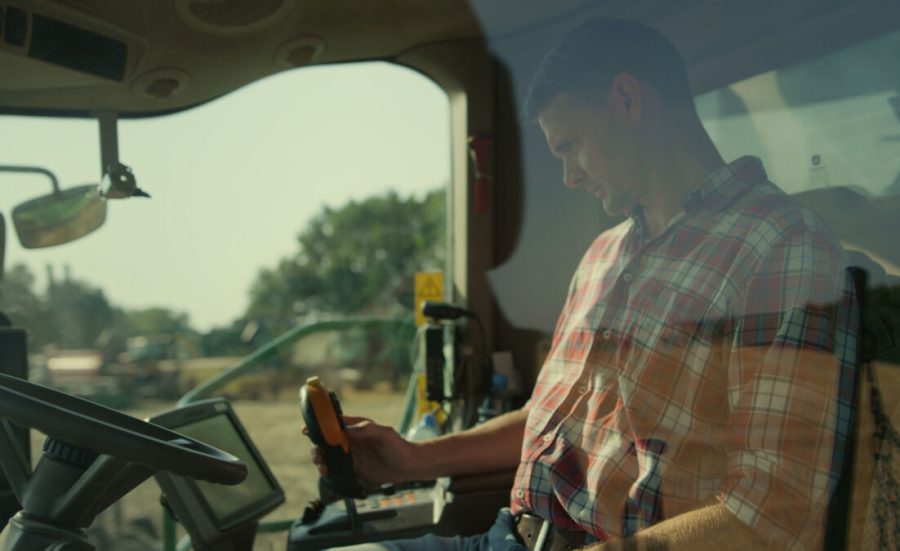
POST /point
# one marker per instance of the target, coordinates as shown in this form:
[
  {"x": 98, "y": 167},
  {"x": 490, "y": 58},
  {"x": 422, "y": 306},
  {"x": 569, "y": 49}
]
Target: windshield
[{"x": 311, "y": 196}]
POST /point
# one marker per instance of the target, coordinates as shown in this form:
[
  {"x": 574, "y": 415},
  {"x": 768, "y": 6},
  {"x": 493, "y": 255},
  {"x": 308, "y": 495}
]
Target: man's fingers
[
  {"x": 319, "y": 461},
  {"x": 354, "y": 420},
  {"x": 365, "y": 432}
]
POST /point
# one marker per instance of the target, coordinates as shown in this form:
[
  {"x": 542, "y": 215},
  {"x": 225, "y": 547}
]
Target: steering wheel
[{"x": 97, "y": 428}]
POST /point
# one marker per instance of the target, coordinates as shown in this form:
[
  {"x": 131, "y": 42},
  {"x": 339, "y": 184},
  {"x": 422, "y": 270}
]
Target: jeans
[{"x": 501, "y": 537}]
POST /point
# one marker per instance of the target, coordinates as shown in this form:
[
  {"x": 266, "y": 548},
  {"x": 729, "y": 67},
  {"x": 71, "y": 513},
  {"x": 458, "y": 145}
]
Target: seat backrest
[{"x": 837, "y": 524}]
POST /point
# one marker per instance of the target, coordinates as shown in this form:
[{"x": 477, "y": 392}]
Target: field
[{"x": 275, "y": 426}]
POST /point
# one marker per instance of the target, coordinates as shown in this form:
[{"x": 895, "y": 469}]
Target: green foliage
[
  {"x": 357, "y": 259},
  {"x": 79, "y": 313},
  {"x": 224, "y": 341},
  {"x": 20, "y": 301},
  {"x": 154, "y": 321},
  {"x": 72, "y": 314}
]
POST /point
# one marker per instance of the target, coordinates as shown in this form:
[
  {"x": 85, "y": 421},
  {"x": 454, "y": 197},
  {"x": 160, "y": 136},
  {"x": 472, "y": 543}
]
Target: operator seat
[{"x": 867, "y": 226}]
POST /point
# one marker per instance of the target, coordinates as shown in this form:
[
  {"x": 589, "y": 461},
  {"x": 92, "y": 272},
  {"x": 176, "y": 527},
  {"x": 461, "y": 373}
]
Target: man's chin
[
  {"x": 597, "y": 192},
  {"x": 611, "y": 207}
]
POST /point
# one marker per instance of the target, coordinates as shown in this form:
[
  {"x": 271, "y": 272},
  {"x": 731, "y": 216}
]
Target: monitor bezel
[{"x": 205, "y": 409}]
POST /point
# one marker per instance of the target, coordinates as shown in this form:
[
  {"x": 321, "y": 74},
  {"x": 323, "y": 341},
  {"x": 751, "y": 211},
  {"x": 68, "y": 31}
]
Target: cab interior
[{"x": 809, "y": 86}]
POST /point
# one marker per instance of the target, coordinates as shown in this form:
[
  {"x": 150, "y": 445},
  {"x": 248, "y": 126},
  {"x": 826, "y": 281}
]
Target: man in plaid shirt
[{"x": 697, "y": 388}]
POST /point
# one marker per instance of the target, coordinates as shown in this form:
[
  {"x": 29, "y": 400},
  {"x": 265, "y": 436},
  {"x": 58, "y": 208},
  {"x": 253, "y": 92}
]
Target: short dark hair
[{"x": 587, "y": 59}]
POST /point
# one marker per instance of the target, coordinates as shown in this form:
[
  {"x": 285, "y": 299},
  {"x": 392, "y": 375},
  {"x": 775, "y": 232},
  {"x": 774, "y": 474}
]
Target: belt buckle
[
  {"x": 539, "y": 542},
  {"x": 542, "y": 536},
  {"x": 538, "y": 534}
]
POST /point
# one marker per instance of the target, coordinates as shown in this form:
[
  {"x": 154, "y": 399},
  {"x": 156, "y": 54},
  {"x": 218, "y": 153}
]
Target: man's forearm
[
  {"x": 711, "y": 528},
  {"x": 494, "y": 446}
]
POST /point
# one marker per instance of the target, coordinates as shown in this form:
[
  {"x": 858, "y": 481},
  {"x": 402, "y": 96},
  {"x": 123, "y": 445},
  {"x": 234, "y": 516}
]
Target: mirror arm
[
  {"x": 122, "y": 184},
  {"x": 109, "y": 140},
  {"x": 33, "y": 170}
]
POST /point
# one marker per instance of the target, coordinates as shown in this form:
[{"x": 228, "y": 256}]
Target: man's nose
[{"x": 571, "y": 175}]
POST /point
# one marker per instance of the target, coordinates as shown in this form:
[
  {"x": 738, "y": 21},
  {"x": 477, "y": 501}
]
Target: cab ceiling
[{"x": 183, "y": 52}]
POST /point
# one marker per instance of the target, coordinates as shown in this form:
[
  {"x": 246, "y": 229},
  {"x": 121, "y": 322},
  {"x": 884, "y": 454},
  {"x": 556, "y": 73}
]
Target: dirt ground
[{"x": 275, "y": 427}]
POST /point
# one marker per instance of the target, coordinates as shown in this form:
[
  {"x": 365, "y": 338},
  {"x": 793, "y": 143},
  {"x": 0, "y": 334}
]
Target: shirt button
[
  {"x": 548, "y": 437},
  {"x": 627, "y": 277},
  {"x": 583, "y": 389},
  {"x": 607, "y": 334},
  {"x": 520, "y": 493}
]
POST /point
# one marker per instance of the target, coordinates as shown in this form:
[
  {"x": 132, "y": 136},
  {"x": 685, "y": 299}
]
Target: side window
[
  {"x": 828, "y": 132},
  {"x": 828, "y": 123},
  {"x": 286, "y": 224}
]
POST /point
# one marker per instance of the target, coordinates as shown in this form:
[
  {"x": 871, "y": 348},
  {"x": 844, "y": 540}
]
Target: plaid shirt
[{"x": 713, "y": 362}]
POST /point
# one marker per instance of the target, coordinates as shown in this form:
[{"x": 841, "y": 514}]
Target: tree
[
  {"x": 25, "y": 307},
  {"x": 74, "y": 314},
  {"x": 224, "y": 341},
  {"x": 80, "y": 313},
  {"x": 156, "y": 320},
  {"x": 357, "y": 259}
]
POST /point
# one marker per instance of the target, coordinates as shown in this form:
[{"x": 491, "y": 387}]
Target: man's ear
[{"x": 627, "y": 96}]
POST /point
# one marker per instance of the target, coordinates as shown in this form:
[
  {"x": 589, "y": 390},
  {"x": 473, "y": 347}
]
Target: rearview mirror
[{"x": 60, "y": 217}]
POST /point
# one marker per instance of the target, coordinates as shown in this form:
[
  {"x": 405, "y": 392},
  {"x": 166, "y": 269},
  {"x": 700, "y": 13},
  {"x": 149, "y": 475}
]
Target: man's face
[{"x": 596, "y": 147}]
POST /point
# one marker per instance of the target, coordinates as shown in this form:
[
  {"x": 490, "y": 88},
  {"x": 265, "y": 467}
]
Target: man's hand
[{"x": 380, "y": 455}]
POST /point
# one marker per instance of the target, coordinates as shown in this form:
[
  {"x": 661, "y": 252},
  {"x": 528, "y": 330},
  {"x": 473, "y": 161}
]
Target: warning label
[{"x": 429, "y": 286}]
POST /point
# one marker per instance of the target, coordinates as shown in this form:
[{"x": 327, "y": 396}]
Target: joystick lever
[{"x": 325, "y": 427}]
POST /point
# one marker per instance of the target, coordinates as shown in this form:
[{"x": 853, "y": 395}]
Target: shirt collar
[
  {"x": 718, "y": 189},
  {"x": 725, "y": 184}
]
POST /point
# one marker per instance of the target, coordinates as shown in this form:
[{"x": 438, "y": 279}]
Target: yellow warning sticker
[{"x": 429, "y": 286}]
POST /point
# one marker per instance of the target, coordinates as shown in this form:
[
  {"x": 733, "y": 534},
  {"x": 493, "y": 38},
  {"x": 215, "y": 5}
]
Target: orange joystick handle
[{"x": 325, "y": 427}]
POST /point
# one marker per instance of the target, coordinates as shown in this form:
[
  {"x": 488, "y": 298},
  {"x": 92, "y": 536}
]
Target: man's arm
[
  {"x": 381, "y": 455},
  {"x": 710, "y": 528},
  {"x": 713, "y": 526},
  {"x": 493, "y": 446}
]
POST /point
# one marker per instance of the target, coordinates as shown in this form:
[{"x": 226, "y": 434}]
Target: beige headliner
[{"x": 722, "y": 40}]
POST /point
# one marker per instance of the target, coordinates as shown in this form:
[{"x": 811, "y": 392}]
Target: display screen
[{"x": 224, "y": 501}]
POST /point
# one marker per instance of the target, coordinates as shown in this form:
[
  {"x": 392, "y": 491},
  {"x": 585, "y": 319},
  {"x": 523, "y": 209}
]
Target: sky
[{"x": 232, "y": 182}]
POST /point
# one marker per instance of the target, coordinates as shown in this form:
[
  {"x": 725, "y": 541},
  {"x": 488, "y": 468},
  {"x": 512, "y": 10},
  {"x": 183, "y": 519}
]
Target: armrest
[
  {"x": 482, "y": 482},
  {"x": 467, "y": 505}
]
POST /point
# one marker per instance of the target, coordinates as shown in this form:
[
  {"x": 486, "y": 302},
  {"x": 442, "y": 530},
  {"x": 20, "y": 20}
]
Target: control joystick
[{"x": 325, "y": 427}]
